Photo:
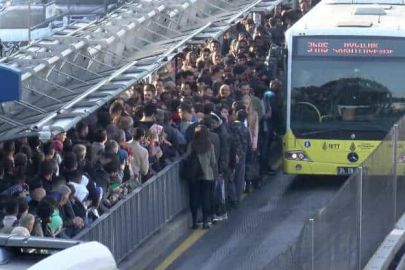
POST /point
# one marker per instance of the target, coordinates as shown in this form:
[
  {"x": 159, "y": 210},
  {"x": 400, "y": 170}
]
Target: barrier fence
[
  {"x": 346, "y": 233},
  {"x": 140, "y": 214}
]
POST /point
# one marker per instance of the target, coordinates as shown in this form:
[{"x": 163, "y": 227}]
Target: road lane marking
[{"x": 195, "y": 236}]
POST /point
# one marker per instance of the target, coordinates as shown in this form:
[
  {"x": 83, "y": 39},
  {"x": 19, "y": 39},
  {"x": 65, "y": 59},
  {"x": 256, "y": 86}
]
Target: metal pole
[
  {"x": 311, "y": 221},
  {"x": 29, "y": 21},
  {"x": 360, "y": 195},
  {"x": 68, "y": 13},
  {"x": 176, "y": 65},
  {"x": 394, "y": 171},
  {"x": 295, "y": 4}
]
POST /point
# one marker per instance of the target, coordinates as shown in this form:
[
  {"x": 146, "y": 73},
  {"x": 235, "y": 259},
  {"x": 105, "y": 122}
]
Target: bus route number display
[{"x": 350, "y": 47}]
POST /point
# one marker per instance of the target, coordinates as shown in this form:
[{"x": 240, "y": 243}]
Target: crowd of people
[{"x": 221, "y": 112}]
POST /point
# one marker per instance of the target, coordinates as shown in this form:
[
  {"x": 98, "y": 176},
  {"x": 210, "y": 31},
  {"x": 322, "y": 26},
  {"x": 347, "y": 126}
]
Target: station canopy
[{"x": 70, "y": 74}]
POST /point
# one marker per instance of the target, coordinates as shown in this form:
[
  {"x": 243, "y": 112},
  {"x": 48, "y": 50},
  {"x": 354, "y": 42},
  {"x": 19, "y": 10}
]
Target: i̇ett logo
[{"x": 352, "y": 147}]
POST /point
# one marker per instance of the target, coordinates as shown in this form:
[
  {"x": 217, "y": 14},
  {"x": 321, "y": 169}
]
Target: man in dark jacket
[
  {"x": 218, "y": 128},
  {"x": 239, "y": 146},
  {"x": 106, "y": 168},
  {"x": 80, "y": 133},
  {"x": 223, "y": 163},
  {"x": 45, "y": 177}
]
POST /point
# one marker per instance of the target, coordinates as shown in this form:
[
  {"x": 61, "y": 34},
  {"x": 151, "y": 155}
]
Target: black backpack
[{"x": 191, "y": 168}]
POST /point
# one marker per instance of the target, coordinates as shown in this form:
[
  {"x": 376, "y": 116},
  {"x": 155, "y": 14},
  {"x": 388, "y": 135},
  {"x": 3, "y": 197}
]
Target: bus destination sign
[{"x": 350, "y": 47}]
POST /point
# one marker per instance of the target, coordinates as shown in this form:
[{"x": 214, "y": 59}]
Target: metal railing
[
  {"x": 346, "y": 233},
  {"x": 133, "y": 219}
]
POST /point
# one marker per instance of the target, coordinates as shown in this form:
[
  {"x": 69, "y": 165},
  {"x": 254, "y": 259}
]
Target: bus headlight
[{"x": 297, "y": 155}]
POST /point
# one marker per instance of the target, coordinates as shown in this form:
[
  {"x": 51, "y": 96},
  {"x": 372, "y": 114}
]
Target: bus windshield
[{"x": 346, "y": 98}]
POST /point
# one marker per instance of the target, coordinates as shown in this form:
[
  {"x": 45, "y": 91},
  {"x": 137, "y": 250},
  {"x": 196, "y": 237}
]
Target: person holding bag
[
  {"x": 200, "y": 170},
  {"x": 252, "y": 163}
]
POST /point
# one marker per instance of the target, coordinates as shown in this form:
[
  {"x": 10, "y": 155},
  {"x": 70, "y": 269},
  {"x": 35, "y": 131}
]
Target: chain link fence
[{"x": 349, "y": 229}]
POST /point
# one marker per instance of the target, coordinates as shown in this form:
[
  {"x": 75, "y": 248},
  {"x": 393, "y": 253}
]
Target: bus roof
[{"x": 334, "y": 17}]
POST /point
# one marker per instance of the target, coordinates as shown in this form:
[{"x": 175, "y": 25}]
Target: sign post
[{"x": 10, "y": 79}]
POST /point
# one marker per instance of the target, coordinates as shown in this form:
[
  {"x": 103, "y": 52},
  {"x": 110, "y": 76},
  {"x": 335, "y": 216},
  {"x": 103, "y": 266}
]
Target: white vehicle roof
[
  {"x": 87, "y": 256},
  {"x": 342, "y": 17}
]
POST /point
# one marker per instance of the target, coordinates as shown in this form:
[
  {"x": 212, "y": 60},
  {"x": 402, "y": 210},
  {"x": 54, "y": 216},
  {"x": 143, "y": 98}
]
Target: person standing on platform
[{"x": 201, "y": 156}]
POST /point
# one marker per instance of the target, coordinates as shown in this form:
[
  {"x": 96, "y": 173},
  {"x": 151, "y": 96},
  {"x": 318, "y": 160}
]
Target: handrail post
[
  {"x": 360, "y": 198},
  {"x": 311, "y": 221},
  {"x": 29, "y": 21},
  {"x": 394, "y": 171}
]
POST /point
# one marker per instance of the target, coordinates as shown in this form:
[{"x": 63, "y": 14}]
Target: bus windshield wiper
[
  {"x": 372, "y": 129},
  {"x": 317, "y": 132}
]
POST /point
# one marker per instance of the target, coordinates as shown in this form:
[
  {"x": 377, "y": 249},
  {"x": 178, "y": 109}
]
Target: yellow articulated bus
[{"x": 345, "y": 84}]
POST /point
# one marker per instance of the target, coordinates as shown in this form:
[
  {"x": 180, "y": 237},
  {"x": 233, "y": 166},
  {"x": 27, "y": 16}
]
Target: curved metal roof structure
[{"x": 69, "y": 75}]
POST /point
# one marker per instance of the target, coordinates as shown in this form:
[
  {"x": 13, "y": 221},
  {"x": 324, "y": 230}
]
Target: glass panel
[
  {"x": 339, "y": 98},
  {"x": 401, "y": 169},
  {"x": 334, "y": 233},
  {"x": 336, "y": 229},
  {"x": 378, "y": 199}
]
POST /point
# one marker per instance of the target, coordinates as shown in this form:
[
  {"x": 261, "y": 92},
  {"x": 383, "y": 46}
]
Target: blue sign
[
  {"x": 10, "y": 79},
  {"x": 307, "y": 144}
]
